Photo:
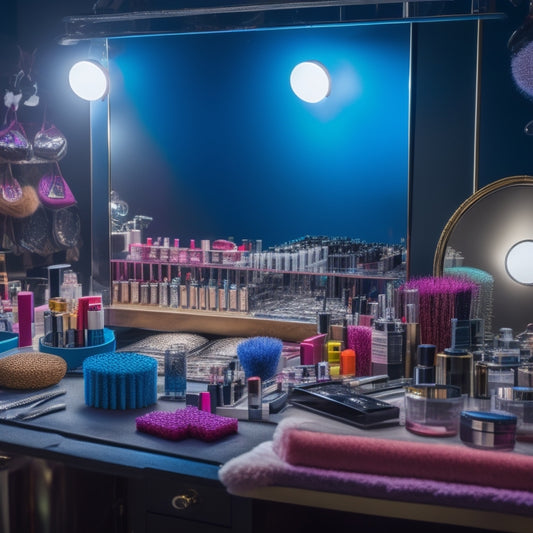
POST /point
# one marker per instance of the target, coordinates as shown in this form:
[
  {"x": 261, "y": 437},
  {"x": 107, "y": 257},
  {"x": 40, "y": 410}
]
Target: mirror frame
[{"x": 471, "y": 201}]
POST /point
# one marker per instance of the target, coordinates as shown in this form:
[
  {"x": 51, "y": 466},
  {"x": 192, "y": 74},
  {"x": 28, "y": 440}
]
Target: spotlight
[
  {"x": 310, "y": 81},
  {"x": 89, "y": 80}
]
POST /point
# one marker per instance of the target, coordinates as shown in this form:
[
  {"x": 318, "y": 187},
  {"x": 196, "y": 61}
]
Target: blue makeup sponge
[
  {"x": 120, "y": 380},
  {"x": 259, "y": 356}
]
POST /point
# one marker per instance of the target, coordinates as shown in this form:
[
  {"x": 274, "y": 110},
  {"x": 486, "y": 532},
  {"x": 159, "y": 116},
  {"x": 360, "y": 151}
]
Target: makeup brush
[
  {"x": 360, "y": 341},
  {"x": 259, "y": 356},
  {"x": 441, "y": 299}
]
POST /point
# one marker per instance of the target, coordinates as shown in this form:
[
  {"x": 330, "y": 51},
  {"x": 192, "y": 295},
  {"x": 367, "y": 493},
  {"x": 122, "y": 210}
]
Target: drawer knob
[{"x": 185, "y": 501}]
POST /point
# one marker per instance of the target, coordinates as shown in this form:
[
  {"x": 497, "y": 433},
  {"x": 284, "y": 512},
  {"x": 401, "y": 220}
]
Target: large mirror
[
  {"x": 490, "y": 237},
  {"x": 208, "y": 142}
]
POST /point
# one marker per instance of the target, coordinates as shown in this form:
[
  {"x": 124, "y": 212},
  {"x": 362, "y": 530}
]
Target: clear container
[
  {"x": 519, "y": 402},
  {"x": 175, "y": 372},
  {"x": 433, "y": 410}
]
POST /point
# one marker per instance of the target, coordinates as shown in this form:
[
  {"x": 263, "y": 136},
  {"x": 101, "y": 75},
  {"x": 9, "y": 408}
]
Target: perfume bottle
[
  {"x": 176, "y": 372},
  {"x": 454, "y": 366},
  {"x": 388, "y": 341}
]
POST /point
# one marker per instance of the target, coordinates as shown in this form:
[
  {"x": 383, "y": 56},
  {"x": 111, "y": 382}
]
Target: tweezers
[
  {"x": 36, "y": 399},
  {"x": 34, "y": 412}
]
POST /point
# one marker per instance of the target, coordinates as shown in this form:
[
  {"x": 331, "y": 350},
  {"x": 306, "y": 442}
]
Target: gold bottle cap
[{"x": 58, "y": 305}]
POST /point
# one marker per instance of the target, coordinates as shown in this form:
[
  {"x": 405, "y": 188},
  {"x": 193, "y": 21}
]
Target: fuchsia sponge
[{"x": 188, "y": 422}]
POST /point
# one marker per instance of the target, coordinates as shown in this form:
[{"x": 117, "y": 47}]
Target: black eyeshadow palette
[{"x": 341, "y": 402}]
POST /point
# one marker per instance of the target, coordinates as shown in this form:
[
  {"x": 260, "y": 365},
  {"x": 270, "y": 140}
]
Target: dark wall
[{"x": 442, "y": 124}]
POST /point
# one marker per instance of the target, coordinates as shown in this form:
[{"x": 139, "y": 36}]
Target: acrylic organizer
[
  {"x": 76, "y": 356},
  {"x": 8, "y": 341},
  {"x": 433, "y": 410}
]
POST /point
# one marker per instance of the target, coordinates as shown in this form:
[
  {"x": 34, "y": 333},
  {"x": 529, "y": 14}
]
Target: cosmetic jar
[
  {"x": 519, "y": 402},
  {"x": 433, "y": 410},
  {"x": 488, "y": 430}
]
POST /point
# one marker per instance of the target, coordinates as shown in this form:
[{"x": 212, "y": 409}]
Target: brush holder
[
  {"x": 8, "y": 341},
  {"x": 120, "y": 381}
]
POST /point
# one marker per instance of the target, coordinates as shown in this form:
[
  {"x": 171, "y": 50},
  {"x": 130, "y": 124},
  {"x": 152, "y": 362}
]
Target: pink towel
[{"x": 440, "y": 462}]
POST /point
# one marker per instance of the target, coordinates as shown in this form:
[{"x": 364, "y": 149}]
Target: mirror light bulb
[
  {"x": 88, "y": 80},
  {"x": 310, "y": 81},
  {"x": 519, "y": 262}
]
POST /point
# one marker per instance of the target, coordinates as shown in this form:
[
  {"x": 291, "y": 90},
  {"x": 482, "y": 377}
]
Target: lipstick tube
[
  {"x": 25, "y": 318},
  {"x": 95, "y": 325},
  {"x": 255, "y": 399}
]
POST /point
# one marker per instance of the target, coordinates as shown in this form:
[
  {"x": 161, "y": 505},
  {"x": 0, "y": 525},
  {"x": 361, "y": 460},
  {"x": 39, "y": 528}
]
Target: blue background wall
[{"x": 209, "y": 139}]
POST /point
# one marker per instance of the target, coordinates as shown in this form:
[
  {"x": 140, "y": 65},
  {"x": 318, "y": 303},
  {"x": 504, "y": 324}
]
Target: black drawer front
[
  {"x": 166, "y": 524},
  {"x": 194, "y": 501}
]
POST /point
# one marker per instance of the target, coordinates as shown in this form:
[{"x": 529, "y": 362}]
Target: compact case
[{"x": 493, "y": 430}]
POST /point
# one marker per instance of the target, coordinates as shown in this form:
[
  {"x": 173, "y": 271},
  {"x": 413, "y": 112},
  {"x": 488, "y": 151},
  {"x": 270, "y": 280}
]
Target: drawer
[
  {"x": 165, "y": 524},
  {"x": 194, "y": 500}
]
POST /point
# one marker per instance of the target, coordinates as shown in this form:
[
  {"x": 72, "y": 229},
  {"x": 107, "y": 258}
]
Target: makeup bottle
[
  {"x": 255, "y": 400},
  {"x": 222, "y": 296},
  {"x": 525, "y": 340},
  {"x": 500, "y": 364},
  {"x": 412, "y": 329},
  {"x": 193, "y": 294},
  {"x": 26, "y": 318},
  {"x": 323, "y": 326},
  {"x": 232, "y": 297},
  {"x": 176, "y": 372},
  {"x": 454, "y": 366},
  {"x": 424, "y": 370},
  {"x": 243, "y": 299},
  {"x": 388, "y": 342},
  {"x": 95, "y": 325},
  {"x": 175, "y": 293},
  {"x": 212, "y": 294},
  {"x": 163, "y": 293},
  {"x": 135, "y": 296}
]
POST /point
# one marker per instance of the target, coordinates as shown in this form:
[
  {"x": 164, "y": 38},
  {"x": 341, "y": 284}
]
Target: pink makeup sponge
[{"x": 188, "y": 422}]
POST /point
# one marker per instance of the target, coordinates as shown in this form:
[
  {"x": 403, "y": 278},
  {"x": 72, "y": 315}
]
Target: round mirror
[{"x": 490, "y": 237}]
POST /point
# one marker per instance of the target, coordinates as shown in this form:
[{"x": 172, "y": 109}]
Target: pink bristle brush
[
  {"x": 359, "y": 339},
  {"x": 441, "y": 299}
]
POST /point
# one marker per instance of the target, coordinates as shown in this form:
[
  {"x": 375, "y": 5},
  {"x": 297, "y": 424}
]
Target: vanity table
[{"x": 158, "y": 485}]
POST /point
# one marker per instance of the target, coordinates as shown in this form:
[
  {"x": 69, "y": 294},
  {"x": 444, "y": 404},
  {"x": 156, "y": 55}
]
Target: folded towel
[
  {"x": 262, "y": 467},
  {"x": 399, "y": 458}
]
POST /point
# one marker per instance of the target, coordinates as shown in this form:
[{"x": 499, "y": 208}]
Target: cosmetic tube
[
  {"x": 95, "y": 325},
  {"x": 255, "y": 407},
  {"x": 58, "y": 338},
  {"x": 25, "y": 318}
]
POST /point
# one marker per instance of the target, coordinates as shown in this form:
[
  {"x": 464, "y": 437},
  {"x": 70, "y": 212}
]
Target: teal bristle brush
[{"x": 259, "y": 356}]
